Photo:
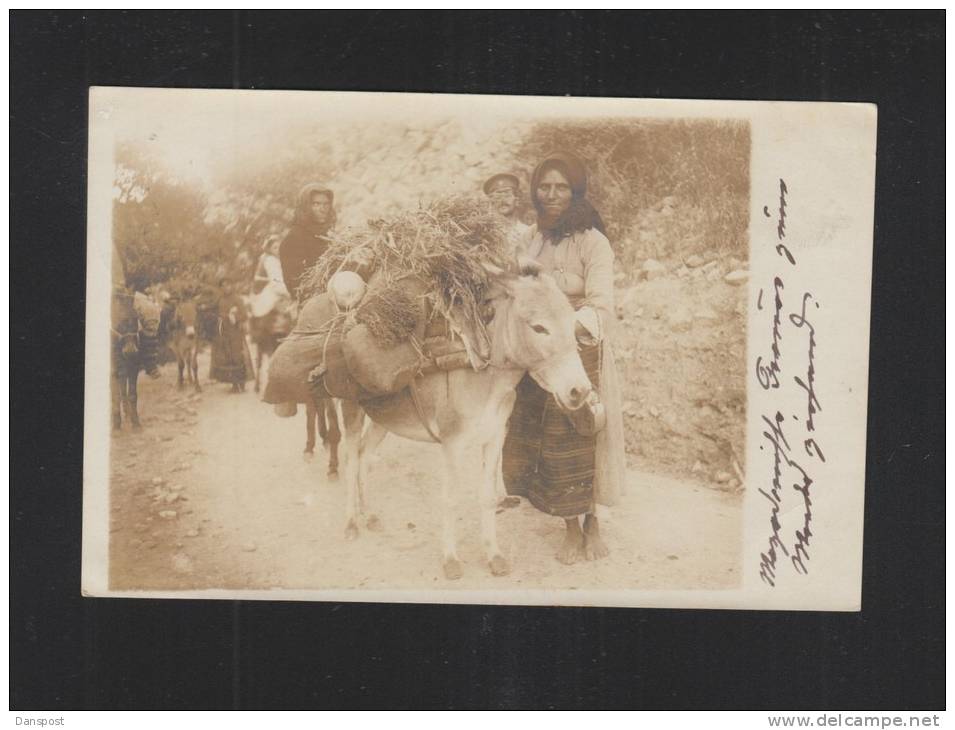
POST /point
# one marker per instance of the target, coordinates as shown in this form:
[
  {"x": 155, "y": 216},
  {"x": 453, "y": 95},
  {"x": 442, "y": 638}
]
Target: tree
[{"x": 158, "y": 222}]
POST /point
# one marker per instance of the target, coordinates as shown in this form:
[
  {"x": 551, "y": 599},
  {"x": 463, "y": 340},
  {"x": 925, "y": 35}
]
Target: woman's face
[
  {"x": 275, "y": 246},
  {"x": 321, "y": 208},
  {"x": 554, "y": 193}
]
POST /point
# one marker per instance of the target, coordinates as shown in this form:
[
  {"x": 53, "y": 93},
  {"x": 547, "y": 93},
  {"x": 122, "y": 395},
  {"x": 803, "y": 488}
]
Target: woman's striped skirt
[{"x": 544, "y": 458}]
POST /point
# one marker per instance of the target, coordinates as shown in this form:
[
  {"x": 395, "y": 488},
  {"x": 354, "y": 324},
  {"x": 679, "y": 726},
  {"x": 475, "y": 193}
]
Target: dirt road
[{"x": 214, "y": 493}]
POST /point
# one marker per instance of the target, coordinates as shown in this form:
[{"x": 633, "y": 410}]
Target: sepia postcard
[{"x": 427, "y": 348}]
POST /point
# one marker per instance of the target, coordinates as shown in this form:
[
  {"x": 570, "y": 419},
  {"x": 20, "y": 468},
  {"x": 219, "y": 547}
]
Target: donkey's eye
[{"x": 540, "y": 329}]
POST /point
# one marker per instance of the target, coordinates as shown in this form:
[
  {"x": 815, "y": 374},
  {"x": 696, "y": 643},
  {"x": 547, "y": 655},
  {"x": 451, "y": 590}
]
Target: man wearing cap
[{"x": 503, "y": 190}]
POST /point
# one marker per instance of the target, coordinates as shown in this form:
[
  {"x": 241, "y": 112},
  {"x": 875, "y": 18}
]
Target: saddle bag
[
  {"x": 299, "y": 354},
  {"x": 333, "y": 377},
  {"x": 380, "y": 370}
]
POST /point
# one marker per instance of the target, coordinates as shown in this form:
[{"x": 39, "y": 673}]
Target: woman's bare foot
[
  {"x": 594, "y": 547},
  {"x": 573, "y": 548},
  {"x": 509, "y": 502}
]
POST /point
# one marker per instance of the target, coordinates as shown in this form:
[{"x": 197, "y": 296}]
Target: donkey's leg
[
  {"x": 504, "y": 500},
  {"x": 453, "y": 457},
  {"x": 133, "y": 397},
  {"x": 258, "y": 367},
  {"x": 491, "y": 458},
  {"x": 329, "y": 416},
  {"x": 116, "y": 398},
  {"x": 325, "y": 406},
  {"x": 374, "y": 434},
  {"x": 352, "y": 417},
  {"x": 182, "y": 365},
  {"x": 123, "y": 395},
  {"x": 310, "y": 414},
  {"x": 194, "y": 356}
]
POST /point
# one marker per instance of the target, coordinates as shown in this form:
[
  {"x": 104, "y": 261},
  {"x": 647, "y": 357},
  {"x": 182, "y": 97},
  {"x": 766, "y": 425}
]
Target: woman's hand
[
  {"x": 580, "y": 331},
  {"x": 587, "y": 326}
]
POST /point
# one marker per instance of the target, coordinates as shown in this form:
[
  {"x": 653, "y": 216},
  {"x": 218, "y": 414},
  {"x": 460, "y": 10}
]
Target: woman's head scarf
[
  {"x": 581, "y": 215},
  {"x": 303, "y": 208}
]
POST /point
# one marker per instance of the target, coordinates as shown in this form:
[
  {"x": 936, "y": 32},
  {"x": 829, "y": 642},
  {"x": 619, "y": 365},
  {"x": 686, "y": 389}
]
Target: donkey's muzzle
[
  {"x": 577, "y": 396},
  {"x": 567, "y": 380}
]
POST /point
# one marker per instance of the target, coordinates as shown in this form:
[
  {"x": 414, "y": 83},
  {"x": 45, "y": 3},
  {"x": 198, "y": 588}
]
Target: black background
[{"x": 74, "y": 653}]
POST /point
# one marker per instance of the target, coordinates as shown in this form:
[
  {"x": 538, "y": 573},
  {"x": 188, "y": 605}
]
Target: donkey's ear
[
  {"x": 499, "y": 289},
  {"x": 528, "y": 267},
  {"x": 500, "y": 281},
  {"x": 492, "y": 269}
]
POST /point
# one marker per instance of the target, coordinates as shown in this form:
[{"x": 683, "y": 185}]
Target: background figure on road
[
  {"x": 268, "y": 284},
  {"x": 134, "y": 342},
  {"x": 504, "y": 192},
  {"x": 125, "y": 359},
  {"x": 231, "y": 361},
  {"x": 150, "y": 318},
  {"x": 307, "y": 240},
  {"x": 270, "y": 305},
  {"x": 551, "y": 457}
]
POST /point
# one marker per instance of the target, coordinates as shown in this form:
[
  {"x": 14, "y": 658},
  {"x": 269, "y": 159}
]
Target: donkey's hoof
[
  {"x": 374, "y": 524},
  {"x": 453, "y": 570},
  {"x": 499, "y": 565},
  {"x": 333, "y": 472},
  {"x": 307, "y": 456},
  {"x": 137, "y": 427},
  {"x": 351, "y": 531}
]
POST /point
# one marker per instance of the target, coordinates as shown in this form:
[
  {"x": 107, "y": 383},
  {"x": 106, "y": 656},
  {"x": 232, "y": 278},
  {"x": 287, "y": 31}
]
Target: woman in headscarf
[
  {"x": 268, "y": 285},
  {"x": 231, "y": 361},
  {"x": 307, "y": 239},
  {"x": 563, "y": 468}
]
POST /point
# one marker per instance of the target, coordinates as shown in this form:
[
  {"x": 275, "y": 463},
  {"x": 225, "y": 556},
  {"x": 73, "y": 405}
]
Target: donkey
[
  {"x": 185, "y": 343},
  {"x": 125, "y": 359},
  {"x": 266, "y": 332},
  {"x": 532, "y": 331}
]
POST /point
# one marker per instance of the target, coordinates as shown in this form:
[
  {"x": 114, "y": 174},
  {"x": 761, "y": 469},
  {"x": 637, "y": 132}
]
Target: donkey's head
[
  {"x": 534, "y": 331},
  {"x": 186, "y": 318},
  {"x": 125, "y": 325}
]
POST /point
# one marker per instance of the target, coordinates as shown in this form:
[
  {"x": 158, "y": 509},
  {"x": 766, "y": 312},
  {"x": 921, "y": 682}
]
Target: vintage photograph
[{"x": 386, "y": 344}]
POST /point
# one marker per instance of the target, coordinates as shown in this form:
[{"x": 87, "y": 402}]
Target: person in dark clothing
[
  {"x": 231, "y": 360},
  {"x": 307, "y": 240}
]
